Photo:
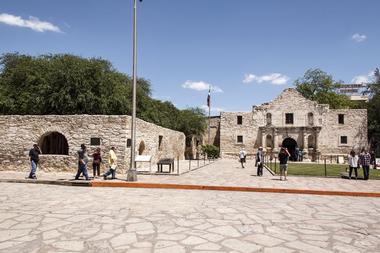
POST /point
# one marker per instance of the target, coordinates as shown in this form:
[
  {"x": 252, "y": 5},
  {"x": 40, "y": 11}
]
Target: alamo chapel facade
[{"x": 291, "y": 121}]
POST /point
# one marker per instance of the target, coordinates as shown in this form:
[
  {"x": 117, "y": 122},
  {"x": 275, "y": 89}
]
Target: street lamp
[{"x": 132, "y": 175}]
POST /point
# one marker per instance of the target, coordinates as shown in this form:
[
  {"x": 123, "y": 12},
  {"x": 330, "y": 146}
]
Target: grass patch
[{"x": 312, "y": 169}]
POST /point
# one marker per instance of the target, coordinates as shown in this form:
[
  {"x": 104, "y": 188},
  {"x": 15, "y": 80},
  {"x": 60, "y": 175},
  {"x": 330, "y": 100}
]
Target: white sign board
[
  {"x": 143, "y": 158},
  {"x": 378, "y": 162}
]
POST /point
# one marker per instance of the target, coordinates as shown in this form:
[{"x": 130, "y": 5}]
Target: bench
[{"x": 165, "y": 161}]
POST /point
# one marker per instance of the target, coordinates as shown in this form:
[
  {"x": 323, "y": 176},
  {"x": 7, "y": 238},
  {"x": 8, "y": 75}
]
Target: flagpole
[
  {"x": 132, "y": 175},
  {"x": 209, "y": 117}
]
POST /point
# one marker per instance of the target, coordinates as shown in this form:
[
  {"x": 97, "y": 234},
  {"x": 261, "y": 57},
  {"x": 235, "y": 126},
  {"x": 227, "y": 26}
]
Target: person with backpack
[
  {"x": 260, "y": 161},
  {"x": 97, "y": 160},
  {"x": 283, "y": 156}
]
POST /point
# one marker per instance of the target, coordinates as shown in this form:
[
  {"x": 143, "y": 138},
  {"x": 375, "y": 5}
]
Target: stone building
[
  {"x": 293, "y": 121},
  {"x": 60, "y": 137}
]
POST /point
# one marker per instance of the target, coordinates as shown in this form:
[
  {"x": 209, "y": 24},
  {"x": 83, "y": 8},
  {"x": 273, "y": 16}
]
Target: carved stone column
[
  {"x": 275, "y": 140},
  {"x": 305, "y": 146},
  {"x": 263, "y": 135}
]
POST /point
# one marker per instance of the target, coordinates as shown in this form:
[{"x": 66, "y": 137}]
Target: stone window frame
[
  {"x": 287, "y": 120},
  {"x": 310, "y": 119},
  {"x": 129, "y": 142},
  {"x": 95, "y": 140},
  {"x": 238, "y": 141},
  {"x": 341, "y": 119},
  {"x": 239, "y": 119},
  {"x": 268, "y": 118},
  {"x": 343, "y": 143},
  {"x": 62, "y": 151}
]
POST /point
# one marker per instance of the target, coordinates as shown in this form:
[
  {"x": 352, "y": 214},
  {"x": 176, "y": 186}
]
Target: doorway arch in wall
[
  {"x": 141, "y": 147},
  {"x": 53, "y": 143},
  {"x": 291, "y": 145}
]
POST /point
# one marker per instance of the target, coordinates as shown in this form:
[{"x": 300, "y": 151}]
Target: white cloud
[
  {"x": 32, "y": 23},
  {"x": 200, "y": 86},
  {"x": 363, "y": 78},
  {"x": 273, "y": 78},
  {"x": 213, "y": 109},
  {"x": 359, "y": 37}
]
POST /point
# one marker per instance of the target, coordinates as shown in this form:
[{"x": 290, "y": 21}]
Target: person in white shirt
[
  {"x": 242, "y": 157},
  {"x": 353, "y": 163}
]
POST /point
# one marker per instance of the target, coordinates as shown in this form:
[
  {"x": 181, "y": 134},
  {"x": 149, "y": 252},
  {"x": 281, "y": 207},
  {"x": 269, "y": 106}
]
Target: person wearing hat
[
  {"x": 82, "y": 162},
  {"x": 112, "y": 159},
  {"x": 34, "y": 158},
  {"x": 260, "y": 161}
]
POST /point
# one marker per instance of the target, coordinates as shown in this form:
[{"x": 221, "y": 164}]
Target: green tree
[
  {"x": 317, "y": 85},
  {"x": 67, "y": 84},
  {"x": 373, "y": 90}
]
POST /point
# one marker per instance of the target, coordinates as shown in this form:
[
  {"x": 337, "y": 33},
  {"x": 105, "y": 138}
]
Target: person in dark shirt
[
  {"x": 34, "y": 159},
  {"x": 82, "y": 162},
  {"x": 283, "y": 156},
  {"x": 97, "y": 159}
]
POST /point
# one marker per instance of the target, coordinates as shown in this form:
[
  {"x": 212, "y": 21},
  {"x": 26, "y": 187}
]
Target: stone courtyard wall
[{"x": 19, "y": 133}]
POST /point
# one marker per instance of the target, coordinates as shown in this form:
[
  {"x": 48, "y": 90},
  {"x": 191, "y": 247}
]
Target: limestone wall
[
  {"x": 230, "y": 130},
  {"x": 315, "y": 127},
  {"x": 354, "y": 127},
  {"x": 19, "y": 133}
]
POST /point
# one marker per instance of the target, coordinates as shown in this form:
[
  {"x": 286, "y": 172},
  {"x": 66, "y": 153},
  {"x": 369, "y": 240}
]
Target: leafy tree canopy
[
  {"x": 373, "y": 90},
  {"x": 317, "y": 85},
  {"x": 67, "y": 84}
]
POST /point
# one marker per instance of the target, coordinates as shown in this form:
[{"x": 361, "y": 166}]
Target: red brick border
[{"x": 232, "y": 188}]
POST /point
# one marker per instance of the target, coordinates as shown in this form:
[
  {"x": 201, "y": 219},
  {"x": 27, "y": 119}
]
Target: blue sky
[{"x": 249, "y": 51}]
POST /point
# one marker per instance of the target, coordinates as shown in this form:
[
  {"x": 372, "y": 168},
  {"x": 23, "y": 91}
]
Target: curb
[
  {"x": 49, "y": 182},
  {"x": 124, "y": 184},
  {"x": 234, "y": 188}
]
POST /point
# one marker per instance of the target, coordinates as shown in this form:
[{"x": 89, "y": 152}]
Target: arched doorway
[
  {"x": 141, "y": 147},
  {"x": 54, "y": 143},
  {"x": 291, "y": 145}
]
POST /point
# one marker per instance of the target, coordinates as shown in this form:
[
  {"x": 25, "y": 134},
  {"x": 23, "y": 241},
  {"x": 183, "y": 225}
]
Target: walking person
[
  {"x": 97, "y": 160},
  {"x": 260, "y": 161},
  {"x": 82, "y": 162},
  {"x": 283, "y": 156},
  {"x": 34, "y": 159},
  {"x": 353, "y": 163},
  {"x": 112, "y": 159},
  {"x": 242, "y": 157},
  {"x": 365, "y": 161}
]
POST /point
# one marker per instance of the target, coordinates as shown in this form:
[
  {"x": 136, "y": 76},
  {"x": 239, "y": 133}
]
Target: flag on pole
[{"x": 209, "y": 98}]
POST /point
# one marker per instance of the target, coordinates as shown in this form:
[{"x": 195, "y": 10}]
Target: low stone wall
[{"x": 19, "y": 133}]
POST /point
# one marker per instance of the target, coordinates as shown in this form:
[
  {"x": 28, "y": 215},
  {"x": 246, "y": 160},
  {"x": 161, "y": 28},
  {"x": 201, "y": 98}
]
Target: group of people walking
[
  {"x": 83, "y": 160},
  {"x": 364, "y": 160},
  {"x": 283, "y": 157}
]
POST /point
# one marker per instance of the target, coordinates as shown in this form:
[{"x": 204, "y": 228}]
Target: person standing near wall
[
  {"x": 353, "y": 163},
  {"x": 242, "y": 157},
  {"x": 97, "y": 160},
  {"x": 34, "y": 159},
  {"x": 82, "y": 162},
  {"x": 260, "y": 161},
  {"x": 365, "y": 161},
  {"x": 112, "y": 159},
  {"x": 283, "y": 156}
]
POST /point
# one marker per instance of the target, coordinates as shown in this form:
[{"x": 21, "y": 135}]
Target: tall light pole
[{"x": 132, "y": 175}]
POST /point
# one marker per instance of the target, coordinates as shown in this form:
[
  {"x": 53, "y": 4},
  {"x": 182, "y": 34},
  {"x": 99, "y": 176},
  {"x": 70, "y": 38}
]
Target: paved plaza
[
  {"x": 228, "y": 173},
  {"x": 49, "y": 218}
]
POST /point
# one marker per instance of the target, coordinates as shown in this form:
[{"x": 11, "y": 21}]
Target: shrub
[{"x": 210, "y": 150}]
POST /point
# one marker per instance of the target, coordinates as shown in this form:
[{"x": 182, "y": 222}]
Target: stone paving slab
[{"x": 50, "y": 218}]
